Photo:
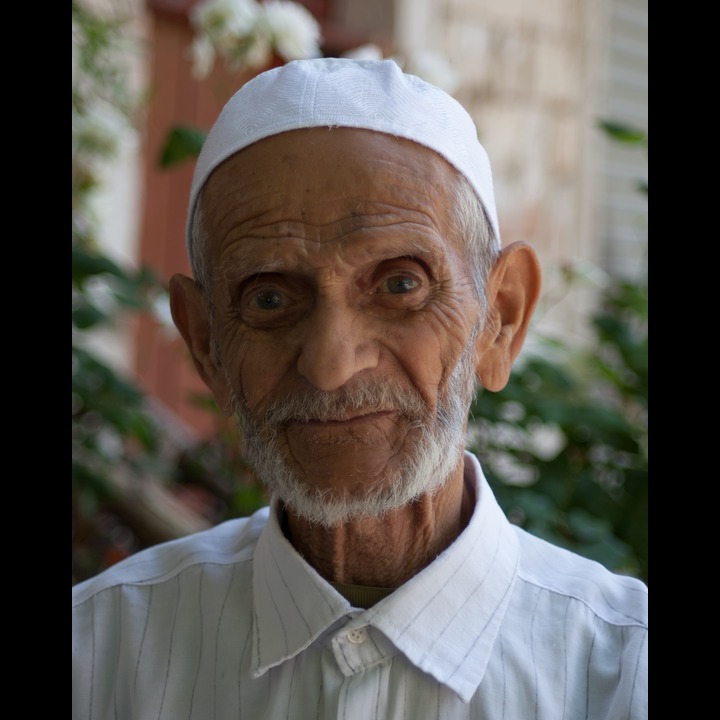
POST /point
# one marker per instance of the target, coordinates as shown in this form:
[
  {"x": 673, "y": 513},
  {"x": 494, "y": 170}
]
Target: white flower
[
  {"x": 294, "y": 31},
  {"x": 225, "y": 18},
  {"x": 245, "y": 33},
  {"x": 202, "y": 55},
  {"x": 511, "y": 471},
  {"x": 258, "y": 52},
  {"x": 230, "y": 28},
  {"x": 546, "y": 441}
]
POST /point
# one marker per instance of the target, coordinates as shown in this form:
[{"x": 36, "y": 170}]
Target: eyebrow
[{"x": 243, "y": 267}]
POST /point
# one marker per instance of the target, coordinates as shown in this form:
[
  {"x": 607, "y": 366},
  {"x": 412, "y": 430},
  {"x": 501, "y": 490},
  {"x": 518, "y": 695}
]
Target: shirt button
[{"x": 357, "y": 636}]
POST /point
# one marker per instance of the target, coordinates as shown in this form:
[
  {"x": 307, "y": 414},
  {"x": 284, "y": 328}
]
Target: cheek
[
  {"x": 429, "y": 350},
  {"x": 256, "y": 368}
]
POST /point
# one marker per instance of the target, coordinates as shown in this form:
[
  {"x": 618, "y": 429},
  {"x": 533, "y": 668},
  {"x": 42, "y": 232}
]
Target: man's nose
[{"x": 336, "y": 344}]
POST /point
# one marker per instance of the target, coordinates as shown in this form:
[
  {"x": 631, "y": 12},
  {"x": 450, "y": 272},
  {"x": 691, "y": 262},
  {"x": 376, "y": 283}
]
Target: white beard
[{"x": 429, "y": 464}]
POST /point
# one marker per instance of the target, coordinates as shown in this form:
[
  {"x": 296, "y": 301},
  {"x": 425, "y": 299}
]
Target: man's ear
[
  {"x": 513, "y": 290},
  {"x": 190, "y": 313}
]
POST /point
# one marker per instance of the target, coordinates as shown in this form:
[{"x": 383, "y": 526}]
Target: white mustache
[{"x": 372, "y": 396}]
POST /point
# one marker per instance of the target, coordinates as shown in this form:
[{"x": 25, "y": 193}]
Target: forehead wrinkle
[
  {"x": 240, "y": 207},
  {"x": 341, "y": 229},
  {"x": 393, "y": 215},
  {"x": 237, "y": 217}
]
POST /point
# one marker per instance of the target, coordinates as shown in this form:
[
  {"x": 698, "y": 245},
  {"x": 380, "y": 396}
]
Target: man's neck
[{"x": 387, "y": 551}]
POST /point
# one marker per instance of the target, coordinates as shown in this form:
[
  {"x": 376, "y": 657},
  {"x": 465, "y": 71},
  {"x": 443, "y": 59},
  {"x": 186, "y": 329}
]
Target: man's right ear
[{"x": 190, "y": 313}]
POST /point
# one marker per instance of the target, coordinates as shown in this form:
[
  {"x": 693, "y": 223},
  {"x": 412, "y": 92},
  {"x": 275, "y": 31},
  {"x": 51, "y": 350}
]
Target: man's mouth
[{"x": 348, "y": 420}]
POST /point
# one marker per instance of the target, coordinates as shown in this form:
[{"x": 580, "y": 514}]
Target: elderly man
[{"x": 349, "y": 290}]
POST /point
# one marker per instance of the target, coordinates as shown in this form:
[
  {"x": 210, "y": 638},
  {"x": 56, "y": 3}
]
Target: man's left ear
[{"x": 513, "y": 289}]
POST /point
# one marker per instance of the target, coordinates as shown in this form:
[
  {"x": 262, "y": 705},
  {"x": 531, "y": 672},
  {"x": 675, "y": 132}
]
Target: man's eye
[
  {"x": 268, "y": 299},
  {"x": 398, "y": 284}
]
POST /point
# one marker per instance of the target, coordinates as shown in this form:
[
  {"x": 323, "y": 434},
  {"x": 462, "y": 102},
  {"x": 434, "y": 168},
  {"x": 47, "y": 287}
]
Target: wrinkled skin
[{"x": 334, "y": 262}]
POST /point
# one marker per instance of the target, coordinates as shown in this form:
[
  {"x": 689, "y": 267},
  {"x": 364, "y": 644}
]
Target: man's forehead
[{"x": 330, "y": 153}]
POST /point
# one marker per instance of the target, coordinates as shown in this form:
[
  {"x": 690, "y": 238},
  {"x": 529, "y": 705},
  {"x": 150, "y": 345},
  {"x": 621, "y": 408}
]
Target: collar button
[{"x": 357, "y": 636}]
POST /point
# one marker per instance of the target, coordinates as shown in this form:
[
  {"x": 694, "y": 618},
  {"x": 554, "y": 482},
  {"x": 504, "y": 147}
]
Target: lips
[
  {"x": 356, "y": 418},
  {"x": 356, "y": 433}
]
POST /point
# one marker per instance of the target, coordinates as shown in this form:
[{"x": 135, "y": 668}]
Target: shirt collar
[
  {"x": 445, "y": 619},
  {"x": 292, "y": 603}
]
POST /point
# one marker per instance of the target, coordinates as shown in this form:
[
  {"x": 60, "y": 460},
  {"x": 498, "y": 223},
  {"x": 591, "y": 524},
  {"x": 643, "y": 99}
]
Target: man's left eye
[{"x": 398, "y": 284}]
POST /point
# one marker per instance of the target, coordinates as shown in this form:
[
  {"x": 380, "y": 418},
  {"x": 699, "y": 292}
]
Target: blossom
[
  {"x": 222, "y": 20},
  {"x": 202, "y": 54},
  {"x": 228, "y": 28},
  {"x": 294, "y": 32},
  {"x": 245, "y": 33}
]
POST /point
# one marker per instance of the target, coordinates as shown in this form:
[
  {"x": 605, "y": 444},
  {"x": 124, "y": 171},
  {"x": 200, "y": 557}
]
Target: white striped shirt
[{"x": 233, "y": 623}]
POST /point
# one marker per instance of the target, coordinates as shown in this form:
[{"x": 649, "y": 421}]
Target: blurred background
[{"x": 558, "y": 92}]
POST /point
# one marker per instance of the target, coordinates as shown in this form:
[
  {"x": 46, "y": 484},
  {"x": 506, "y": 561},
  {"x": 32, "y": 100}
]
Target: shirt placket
[{"x": 361, "y": 655}]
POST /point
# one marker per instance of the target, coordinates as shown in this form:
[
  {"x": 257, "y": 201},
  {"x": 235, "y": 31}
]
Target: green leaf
[
  {"x": 623, "y": 133},
  {"x": 87, "y": 315},
  {"x": 89, "y": 264},
  {"x": 182, "y": 142}
]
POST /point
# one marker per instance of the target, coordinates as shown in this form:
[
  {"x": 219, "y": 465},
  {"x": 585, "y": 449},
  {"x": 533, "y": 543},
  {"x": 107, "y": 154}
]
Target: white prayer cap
[{"x": 340, "y": 92}]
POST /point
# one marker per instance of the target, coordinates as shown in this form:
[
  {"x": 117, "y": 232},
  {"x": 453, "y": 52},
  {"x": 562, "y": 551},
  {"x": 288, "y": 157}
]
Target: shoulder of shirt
[
  {"x": 229, "y": 542},
  {"x": 615, "y": 598}
]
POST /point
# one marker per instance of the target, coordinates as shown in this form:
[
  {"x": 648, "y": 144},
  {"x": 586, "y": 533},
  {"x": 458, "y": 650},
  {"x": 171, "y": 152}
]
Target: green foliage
[
  {"x": 102, "y": 291},
  {"x": 627, "y": 135},
  {"x": 621, "y": 132},
  {"x": 182, "y": 143},
  {"x": 565, "y": 443},
  {"x": 111, "y": 425}
]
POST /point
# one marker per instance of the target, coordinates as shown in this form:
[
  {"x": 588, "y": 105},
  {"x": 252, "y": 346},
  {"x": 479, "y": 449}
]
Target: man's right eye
[{"x": 268, "y": 299}]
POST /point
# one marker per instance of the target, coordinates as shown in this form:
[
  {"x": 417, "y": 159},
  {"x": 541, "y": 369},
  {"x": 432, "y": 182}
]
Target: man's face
[{"x": 344, "y": 316}]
